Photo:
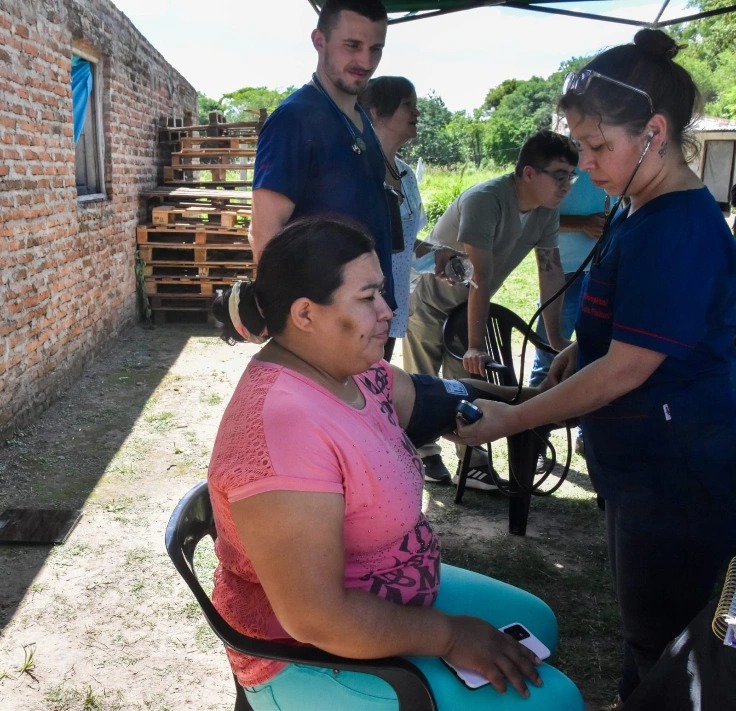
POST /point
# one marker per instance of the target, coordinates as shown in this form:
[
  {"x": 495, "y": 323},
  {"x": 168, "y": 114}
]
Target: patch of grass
[
  {"x": 64, "y": 698},
  {"x": 138, "y": 558},
  {"x": 69, "y": 551},
  {"x": 441, "y": 186},
  {"x": 211, "y": 398},
  {"x": 520, "y": 290},
  {"x": 28, "y": 666},
  {"x": 161, "y": 421},
  {"x": 157, "y": 703},
  {"x": 124, "y": 504}
]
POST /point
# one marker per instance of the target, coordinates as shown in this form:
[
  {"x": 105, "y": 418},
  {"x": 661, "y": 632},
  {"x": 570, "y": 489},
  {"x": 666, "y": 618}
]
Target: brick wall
[{"x": 67, "y": 281}]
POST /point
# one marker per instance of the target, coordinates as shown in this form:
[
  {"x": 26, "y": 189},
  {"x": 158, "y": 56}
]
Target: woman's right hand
[{"x": 479, "y": 647}]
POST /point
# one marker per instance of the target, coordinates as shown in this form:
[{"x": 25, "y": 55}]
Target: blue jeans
[
  {"x": 570, "y": 307},
  {"x": 461, "y": 592}
]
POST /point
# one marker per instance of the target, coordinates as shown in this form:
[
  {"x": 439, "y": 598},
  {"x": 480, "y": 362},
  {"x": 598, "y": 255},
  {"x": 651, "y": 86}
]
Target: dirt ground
[{"x": 103, "y": 621}]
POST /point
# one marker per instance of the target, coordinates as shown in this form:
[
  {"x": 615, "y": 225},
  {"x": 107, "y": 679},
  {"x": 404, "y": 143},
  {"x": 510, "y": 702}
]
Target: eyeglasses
[
  {"x": 577, "y": 83},
  {"x": 561, "y": 177}
]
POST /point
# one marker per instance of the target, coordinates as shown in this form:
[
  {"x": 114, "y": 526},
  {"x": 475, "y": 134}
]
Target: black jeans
[
  {"x": 697, "y": 672},
  {"x": 666, "y": 562}
]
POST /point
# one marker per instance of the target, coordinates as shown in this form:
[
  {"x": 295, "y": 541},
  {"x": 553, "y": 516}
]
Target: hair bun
[{"x": 657, "y": 44}]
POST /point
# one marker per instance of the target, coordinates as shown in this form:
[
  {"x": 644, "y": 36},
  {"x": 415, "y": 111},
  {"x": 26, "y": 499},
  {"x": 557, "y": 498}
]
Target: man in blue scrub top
[{"x": 317, "y": 153}]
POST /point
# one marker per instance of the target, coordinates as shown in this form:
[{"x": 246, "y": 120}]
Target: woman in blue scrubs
[{"x": 651, "y": 373}]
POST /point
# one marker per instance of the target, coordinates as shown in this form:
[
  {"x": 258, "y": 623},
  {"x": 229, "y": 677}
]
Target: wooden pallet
[
  {"x": 195, "y": 143},
  {"x": 189, "y": 304},
  {"x": 185, "y": 286},
  {"x": 223, "y": 270},
  {"x": 185, "y": 235},
  {"x": 175, "y": 193},
  {"x": 210, "y": 157},
  {"x": 174, "y": 128},
  {"x": 195, "y": 254},
  {"x": 207, "y": 215},
  {"x": 210, "y": 175}
]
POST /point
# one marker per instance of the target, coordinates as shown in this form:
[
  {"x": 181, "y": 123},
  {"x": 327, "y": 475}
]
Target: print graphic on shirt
[
  {"x": 414, "y": 580},
  {"x": 596, "y": 306},
  {"x": 376, "y": 380}
]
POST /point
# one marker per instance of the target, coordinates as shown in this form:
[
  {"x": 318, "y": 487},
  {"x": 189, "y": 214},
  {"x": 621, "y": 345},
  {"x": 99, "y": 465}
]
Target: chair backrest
[
  {"x": 500, "y": 327},
  {"x": 190, "y": 522}
]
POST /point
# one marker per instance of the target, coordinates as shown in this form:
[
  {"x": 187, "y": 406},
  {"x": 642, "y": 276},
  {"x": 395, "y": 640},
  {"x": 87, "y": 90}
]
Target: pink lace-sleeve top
[{"x": 282, "y": 431}]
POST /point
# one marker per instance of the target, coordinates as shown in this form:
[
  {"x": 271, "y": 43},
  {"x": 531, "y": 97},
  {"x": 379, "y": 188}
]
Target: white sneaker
[{"x": 478, "y": 478}]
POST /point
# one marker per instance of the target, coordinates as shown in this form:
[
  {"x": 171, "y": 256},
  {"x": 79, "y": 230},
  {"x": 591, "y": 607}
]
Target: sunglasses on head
[{"x": 578, "y": 82}]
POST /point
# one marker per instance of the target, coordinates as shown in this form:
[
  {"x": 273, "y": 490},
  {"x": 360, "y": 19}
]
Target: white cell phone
[
  {"x": 470, "y": 678},
  {"x": 522, "y": 635}
]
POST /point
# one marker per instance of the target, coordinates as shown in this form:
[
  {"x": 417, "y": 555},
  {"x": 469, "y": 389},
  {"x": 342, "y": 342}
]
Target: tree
[
  {"x": 711, "y": 37},
  {"x": 434, "y": 143},
  {"x": 520, "y": 113},
  {"x": 468, "y": 134},
  {"x": 710, "y": 55},
  {"x": 495, "y": 95},
  {"x": 204, "y": 106},
  {"x": 239, "y": 104}
]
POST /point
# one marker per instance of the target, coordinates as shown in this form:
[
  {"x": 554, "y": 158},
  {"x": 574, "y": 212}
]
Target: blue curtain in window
[{"x": 81, "y": 89}]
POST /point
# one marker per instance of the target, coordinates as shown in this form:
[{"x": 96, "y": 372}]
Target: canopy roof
[{"x": 406, "y": 10}]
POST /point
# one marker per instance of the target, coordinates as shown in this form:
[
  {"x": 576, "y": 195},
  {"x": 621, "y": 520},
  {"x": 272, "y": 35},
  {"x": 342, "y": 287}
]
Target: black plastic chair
[
  {"x": 191, "y": 521},
  {"x": 524, "y": 447}
]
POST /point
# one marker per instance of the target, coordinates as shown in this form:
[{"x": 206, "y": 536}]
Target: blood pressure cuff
[{"x": 434, "y": 406}]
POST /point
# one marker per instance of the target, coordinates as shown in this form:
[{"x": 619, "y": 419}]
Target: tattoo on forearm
[{"x": 547, "y": 259}]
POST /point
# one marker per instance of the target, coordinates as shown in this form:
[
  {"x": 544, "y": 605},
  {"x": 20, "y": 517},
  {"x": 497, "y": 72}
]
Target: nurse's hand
[
  {"x": 563, "y": 366},
  {"x": 498, "y": 421}
]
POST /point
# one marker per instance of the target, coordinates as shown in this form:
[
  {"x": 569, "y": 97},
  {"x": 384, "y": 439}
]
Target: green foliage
[
  {"x": 710, "y": 56},
  {"x": 239, "y": 105},
  {"x": 442, "y": 186},
  {"x": 204, "y": 106},
  {"x": 520, "y": 113},
  {"x": 468, "y": 135},
  {"x": 710, "y": 38},
  {"x": 434, "y": 143},
  {"x": 495, "y": 95}
]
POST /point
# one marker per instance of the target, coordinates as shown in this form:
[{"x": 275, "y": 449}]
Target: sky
[{"x": 236, "y": 43}]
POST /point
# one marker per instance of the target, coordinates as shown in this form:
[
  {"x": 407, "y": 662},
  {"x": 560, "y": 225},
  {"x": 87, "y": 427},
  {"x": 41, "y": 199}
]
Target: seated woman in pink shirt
[{"x": 317, "y": 491}]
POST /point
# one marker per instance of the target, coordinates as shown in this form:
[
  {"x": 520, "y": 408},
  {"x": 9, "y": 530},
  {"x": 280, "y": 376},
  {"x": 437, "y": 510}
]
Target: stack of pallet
[{"x": 195, "y": 241}]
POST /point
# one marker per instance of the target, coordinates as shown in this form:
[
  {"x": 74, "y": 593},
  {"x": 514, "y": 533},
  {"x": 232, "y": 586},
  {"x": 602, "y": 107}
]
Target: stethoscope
[
  {"x": 595, "y": 257},
  {"x": 358, "y": 144}
]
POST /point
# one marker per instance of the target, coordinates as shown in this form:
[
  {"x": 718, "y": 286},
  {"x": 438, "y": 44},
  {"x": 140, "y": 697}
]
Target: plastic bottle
[{"x": 459, "y": 269}]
